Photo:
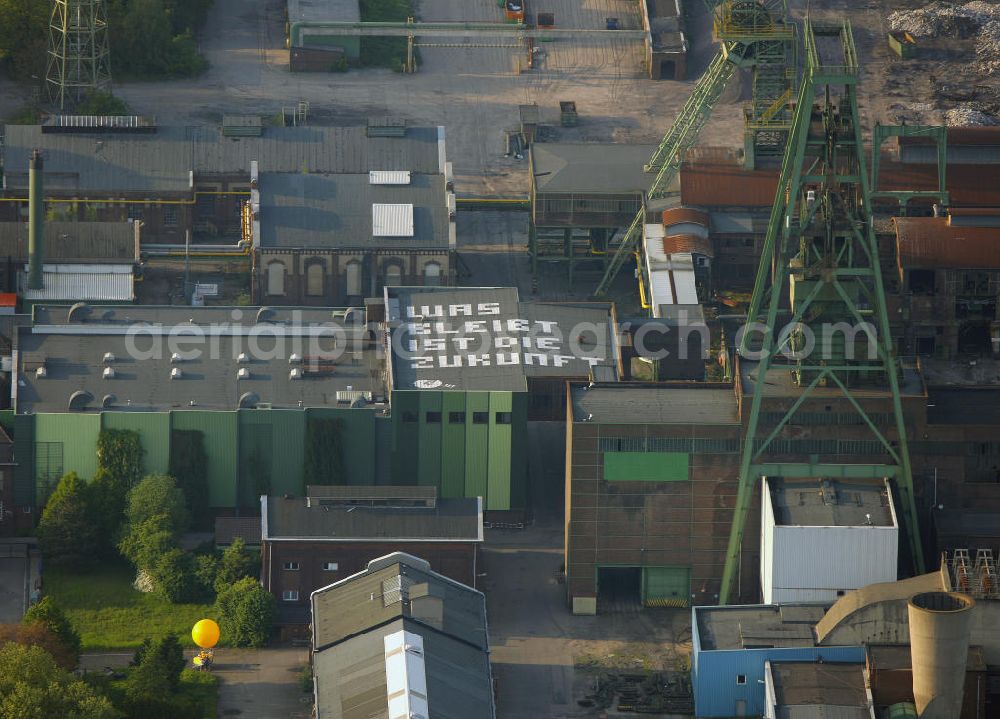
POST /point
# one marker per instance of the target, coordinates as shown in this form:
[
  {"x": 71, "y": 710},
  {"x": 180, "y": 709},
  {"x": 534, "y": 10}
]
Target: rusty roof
[
  {"x": 688, "y": 243},
  {"x": 932, "y": 243},
  {"x": 719, "y": 184},
  {"x": 716, "y": 184},
  {"x": 677, "y": 215}
]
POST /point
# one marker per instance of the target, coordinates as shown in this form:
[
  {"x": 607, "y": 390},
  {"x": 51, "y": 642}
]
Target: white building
[{"x": 823, "y": 537}]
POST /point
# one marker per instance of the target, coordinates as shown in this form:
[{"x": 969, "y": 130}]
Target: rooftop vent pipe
[
  {"x": 36, "y": 216},
  {"x": 939, "y": 646}
]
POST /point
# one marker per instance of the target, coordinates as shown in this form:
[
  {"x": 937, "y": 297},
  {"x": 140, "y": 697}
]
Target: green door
[{"x": 666, "y": 586}]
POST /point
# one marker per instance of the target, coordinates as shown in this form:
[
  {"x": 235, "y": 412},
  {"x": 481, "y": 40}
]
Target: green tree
[
  {"x": 48, "y": 614},
  {"x": 107, "y": 508},
  {"x": 246, "y": 612},
  {"x": 37, "y": 634},
  {"x": 33, "y": 686},
  {"x": 174, "y": 574},
  {"x": 145, "y": 542},
  {"x": 189, "y": 464},
  {"x": 324, "y": 461},
  {"x": 23, "y": 35},
  {"x": 206, "y": 570},
  {"x": 105, "y": 103},
  {"x": 237, "y": 563},
  {"x": 119, "y": 451},
  {"x": 157, "y": 494},
  {"x": 67, "y": 533}
]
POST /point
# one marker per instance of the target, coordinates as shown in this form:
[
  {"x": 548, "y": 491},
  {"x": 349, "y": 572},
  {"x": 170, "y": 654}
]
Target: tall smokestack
[
  {"x": 939, "y": 645},
  {"x": 36, "y": 217}
]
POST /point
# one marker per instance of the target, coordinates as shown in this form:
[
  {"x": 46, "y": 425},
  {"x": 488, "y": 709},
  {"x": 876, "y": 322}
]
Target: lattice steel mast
[
  {"x": 821, "y": 245},
  {"x": 753, "y": 34},
  {"x": 78, "y": 56}
]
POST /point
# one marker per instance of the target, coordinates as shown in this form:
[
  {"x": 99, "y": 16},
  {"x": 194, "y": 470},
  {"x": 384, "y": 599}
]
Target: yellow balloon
[{"x": 205, "y": 634}]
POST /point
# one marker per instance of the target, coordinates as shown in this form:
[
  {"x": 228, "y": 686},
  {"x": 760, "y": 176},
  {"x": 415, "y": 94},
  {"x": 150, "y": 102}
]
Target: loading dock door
[{"x": 666, "y": 586}]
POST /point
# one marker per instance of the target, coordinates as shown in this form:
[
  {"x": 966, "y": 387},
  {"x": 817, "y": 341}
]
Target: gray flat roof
[
  {"x": 830, "y": 502},
  {"x": 813, "y": 690},
  {"x": 484, "y": 338},
  {"x": 324, "y": 10},
  {"x": 640, "y": 404},
  {"x": 590, "y": 167},
  {"x": 312, "y": 518},
  {"x": 72, "y": 241},
  {"x": 103, "y": 319},
  {"x": 780, "y": 383},
  {"x": 327, "y": 211},
  {"x": 963, "y": 405},
  {"x": 161, "y": 162},
  {"x": 747, "y": 627},
  {"x": 143, "y": 340}
]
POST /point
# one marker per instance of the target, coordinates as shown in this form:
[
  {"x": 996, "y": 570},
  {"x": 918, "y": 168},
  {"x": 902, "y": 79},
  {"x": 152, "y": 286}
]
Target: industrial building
[
  {"x": 822, "y": 539},
  {"x": 309, "y": 50},
  {"x": 324, "y": 215},
  {"x": 398, "y": 634},
  {"x": 797, "y": 690},
  {"x": 333, "y": 532},
  {"x": 666, "y": 44}
]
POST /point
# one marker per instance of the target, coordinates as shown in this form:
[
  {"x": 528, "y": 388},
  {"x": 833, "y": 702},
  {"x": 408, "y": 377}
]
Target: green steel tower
[
  {"x": 79, "y": 60},
  {"x": 755, "y": 35},
  {"x": 821, "y": 246}
]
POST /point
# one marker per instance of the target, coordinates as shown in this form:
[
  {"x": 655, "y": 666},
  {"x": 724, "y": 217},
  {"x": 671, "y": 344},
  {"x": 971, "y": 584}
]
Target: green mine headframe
[
  {"x": 821, "y": 245},
  {"x": 755, "y": 35}
]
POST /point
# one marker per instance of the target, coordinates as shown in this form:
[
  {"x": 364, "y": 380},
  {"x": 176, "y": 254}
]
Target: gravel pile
[
  {"x": 978, "y": 19},
  {"x": 967, "y": 116}
]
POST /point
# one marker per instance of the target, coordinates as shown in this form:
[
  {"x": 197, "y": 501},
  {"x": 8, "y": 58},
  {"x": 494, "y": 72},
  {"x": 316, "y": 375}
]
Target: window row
[
  {"x": 459, "y": 417},
  {"x": 316, "y": 277}
]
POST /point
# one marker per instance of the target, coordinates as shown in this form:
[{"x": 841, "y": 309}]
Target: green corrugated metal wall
[
  {"x": 358, "y": 441},
  {"x": 24, "y": 453},
  {"x": 154, "y": 433},
  {"x": 275, "y": 437},
  {"x": 666, "y": 586},
  {"x": 477, "y": 447},
  {"x": 519, "y": 451},
  {"x": 453, "y": 445},
  {"x": 405, "y": 437},
  {"x": 66, "y": 439},
  {"x": 429, "y": 445},
  {"x": 219, "y": 432},
  {"x": 498, "y": 473},
  {"x": 7, "y": 419},
  {"x": 645, "y": 466}
]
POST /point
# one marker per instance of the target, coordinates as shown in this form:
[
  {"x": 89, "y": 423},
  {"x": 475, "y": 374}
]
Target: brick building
[{"x": 333, "y": 532}]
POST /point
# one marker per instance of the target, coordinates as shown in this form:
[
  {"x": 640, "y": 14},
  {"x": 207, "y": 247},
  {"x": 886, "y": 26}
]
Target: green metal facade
[
  {"x": 452, "y": 440},
  {"x": 646, "y": 466},
  {"x": 247, "y": 450},
  {"x": 666, "y": 586}
]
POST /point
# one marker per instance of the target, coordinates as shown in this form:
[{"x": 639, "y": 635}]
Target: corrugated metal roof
[
  {"x": 72, "y": 240},
  {"x": 662, "y": 404},
  {"x": 933, "y": 243},
  {"x": 392, "y": 220},
  {"x": 162, "y": 162},
  {"x": 83, "y": 283},
  {"x": 389, "y": 177},
  {"x": 564, "y": 167},
  {"x": 969, "y": 185},
  {"x": 813, "y": 690},
  {"x": 726, "y": 184},
  {"x": 678, "y": 215},
  {"x": 688, "y": 244}
]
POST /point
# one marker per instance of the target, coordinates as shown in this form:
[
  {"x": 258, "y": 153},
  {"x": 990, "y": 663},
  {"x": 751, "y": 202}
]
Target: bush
[
  {"x": 67, "y": 533},
  {"x": 104, "y": 103},
  {"x": 144, "y": 543},
  {"x": 237, "y": 563},
  {"x": 158, "y": 494},
  {"x": 36, "y": 634},
  {"x": 175, "y": 577},
  {"x": 119, "y": 451},
  {"x": 45, "y": 613},
  {"x": 206, "y": 571},
  {"x": 246, "y": 614}
]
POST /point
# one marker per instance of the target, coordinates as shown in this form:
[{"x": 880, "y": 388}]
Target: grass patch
[
  {"x": 385, "y": 51},
  {"x": 202, "y": 688},
  {"x": 110, "y": 615}
]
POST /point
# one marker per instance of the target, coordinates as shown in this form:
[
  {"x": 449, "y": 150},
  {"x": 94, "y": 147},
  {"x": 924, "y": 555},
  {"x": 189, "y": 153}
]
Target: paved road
[{"x": 262, "y": 683}]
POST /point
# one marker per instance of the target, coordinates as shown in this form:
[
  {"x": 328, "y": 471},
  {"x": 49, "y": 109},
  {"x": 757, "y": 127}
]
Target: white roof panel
[
  {"x": 86, "y": 283},
  {"x": 405, "y": 676},
  {"x": 392, "y": 220},
  {"x": 389, "y": 177}
]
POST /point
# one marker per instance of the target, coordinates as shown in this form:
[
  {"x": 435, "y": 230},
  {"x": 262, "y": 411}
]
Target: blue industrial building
[{"x": 731, "y": 644}]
